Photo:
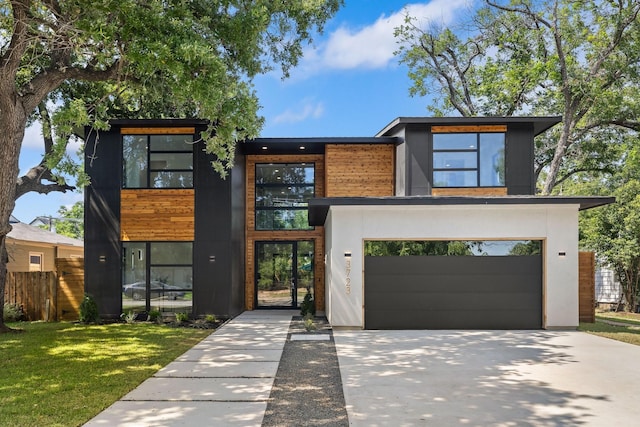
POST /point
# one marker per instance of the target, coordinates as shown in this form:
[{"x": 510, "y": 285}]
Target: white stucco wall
[{"x": 347, "y": 227}]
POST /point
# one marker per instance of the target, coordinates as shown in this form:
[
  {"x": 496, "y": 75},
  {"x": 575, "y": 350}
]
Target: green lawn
[
  {"x": 629, "y": 334},
  {"x": 63, "y": 374}
]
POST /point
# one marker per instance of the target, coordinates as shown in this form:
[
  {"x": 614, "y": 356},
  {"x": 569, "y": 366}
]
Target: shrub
[
  {"x": 210, "y": 318},
  {"x": 155, "y": 316},
  {"x": 12, "y": 313},
  {"x": 182, "y": 317},
  {"x": 89, "y": 310},
  {"x": 129, "y": 317},
  {"x": 307, "y": 306}
]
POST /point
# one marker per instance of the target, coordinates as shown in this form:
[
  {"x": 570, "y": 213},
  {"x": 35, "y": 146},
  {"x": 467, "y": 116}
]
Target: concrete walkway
[
  {"x": 399, "y": 378},
  {"x": 225, "y": 380}
]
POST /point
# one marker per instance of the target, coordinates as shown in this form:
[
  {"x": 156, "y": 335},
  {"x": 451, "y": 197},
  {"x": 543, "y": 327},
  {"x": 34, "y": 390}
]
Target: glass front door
[{"x": 284, "y": 273}]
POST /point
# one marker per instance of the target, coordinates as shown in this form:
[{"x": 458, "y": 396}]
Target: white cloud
[
  {"x": 33, "y": 137},
  {"x": 372, "y": 46},
  {"x": 308, "y": 109}
]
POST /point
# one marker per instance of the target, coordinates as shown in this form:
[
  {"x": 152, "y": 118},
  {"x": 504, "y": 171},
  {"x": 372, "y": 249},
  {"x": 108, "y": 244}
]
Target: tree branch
[
  {"x": 45, "y": 82},
  {"x": 32, "y": 181}
]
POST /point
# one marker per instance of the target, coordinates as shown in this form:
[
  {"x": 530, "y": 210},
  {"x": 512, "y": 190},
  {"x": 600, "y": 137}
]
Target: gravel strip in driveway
[{"x": 308, "y": 387}]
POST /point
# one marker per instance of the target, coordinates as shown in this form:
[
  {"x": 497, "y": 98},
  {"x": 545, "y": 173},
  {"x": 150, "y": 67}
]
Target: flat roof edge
[
  {"x": 319, "y": 207},
  {"x": 540, "y": 123}
]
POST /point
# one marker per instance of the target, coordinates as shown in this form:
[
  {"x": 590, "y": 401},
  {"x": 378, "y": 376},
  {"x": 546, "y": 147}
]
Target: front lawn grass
[
  {"x": 619, "y": 316},
  {"x": 629, "y": 334},
  {"x": 63, "y": 374}
]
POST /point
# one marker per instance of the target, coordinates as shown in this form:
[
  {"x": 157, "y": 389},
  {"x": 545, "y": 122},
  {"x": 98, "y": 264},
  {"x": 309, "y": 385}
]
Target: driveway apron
[{"x": 488, "y": 378}]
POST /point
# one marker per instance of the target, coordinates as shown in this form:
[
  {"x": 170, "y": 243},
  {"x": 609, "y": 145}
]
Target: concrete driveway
[{"x": 488, "y": 378}]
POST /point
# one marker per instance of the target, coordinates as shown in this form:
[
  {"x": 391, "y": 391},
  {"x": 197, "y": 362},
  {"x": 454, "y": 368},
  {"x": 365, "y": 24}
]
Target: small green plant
[
  {"x": 210, "y": 318},
  {"x": 308, "y": 323},
  {"x": 307, "y": 306},
  {"x": 12, "y": 313},
  {"x": 89, "y": 310},
  {"x": 129, "y": 317},
  {"x": 155, "y": 316},
  {"x": 182, "y": 317}
]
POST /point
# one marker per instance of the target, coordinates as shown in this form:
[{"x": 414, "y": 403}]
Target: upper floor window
[
  {"x": 282, "y": 194},
  {"x": 468, "y": 159},
  {"x": 157, "y": 161}
]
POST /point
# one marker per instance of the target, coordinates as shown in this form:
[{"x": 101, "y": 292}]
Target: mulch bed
[{"x": 308, "y": 387}]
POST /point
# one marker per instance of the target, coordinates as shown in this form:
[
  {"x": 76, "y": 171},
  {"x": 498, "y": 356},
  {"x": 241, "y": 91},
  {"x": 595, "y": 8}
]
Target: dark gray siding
[
  {"x": 102, "y": 274},
  {"x": 218, "y": 263},
  {"x": 414, "y": 168},
  {"x": 519, "y": 156},
  {"x": 450, "y": 292}
]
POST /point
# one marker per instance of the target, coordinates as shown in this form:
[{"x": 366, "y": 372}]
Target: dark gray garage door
[{"x": 453, "y": 292}]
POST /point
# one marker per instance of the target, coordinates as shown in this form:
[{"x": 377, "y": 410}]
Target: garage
[{"x": 453, "y": 292}]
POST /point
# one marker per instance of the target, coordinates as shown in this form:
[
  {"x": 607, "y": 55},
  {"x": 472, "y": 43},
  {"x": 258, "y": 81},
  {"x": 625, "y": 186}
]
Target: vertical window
[
  {"x": 157, "y": 161},
  {"x": 157, "y": 276},
  {"x": 282, "y": 195},
  {"x": 468, "y": 159}
]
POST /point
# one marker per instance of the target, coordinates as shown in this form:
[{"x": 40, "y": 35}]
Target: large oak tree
[{"x": 69, "y": 63}]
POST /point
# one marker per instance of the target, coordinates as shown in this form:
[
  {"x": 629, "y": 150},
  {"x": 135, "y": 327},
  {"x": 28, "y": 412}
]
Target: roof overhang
[
  {"x": 304, "y": 145},
  {"x": 319, "y": 208},
  {"x": 540, "y": 124}
]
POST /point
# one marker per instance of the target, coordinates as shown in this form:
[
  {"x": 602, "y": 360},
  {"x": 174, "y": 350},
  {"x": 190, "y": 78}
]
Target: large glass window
[
  {"x": 157, "y": 161},
  {"x": 157, "y": 276},
  {"x": 468, "y": 159},
  {"x": 282, "y": 194}
]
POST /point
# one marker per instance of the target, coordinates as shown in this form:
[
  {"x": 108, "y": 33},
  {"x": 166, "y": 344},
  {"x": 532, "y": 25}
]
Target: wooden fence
[
  {"x": 48, "y": 295},
  {"x": 587, "y": 287}
]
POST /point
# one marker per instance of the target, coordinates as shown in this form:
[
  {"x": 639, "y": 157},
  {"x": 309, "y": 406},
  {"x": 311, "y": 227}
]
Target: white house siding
[{"x": 347, "y": 227}]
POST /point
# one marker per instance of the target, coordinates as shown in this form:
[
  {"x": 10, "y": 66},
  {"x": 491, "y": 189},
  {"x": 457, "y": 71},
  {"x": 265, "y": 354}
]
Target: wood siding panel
[
  {"x": 253, "y": 235},
  {"x": 473, "y": 191},
  {"x": 358, "y": 170},
  {"x": 465, "y": 129},
  {"x": 157, "y": 215},
  {"x": 587, "y": 287},
  {"x": 158, "y": 131}
]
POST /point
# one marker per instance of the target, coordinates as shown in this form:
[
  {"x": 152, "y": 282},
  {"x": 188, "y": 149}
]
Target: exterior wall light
[
  {"x": 562, "y": 254},
  {"x": 347, "y": 254}
]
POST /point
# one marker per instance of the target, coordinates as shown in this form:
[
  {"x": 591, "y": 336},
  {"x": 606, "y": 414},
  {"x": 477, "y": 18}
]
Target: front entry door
[{"x": 284, "y": 273}]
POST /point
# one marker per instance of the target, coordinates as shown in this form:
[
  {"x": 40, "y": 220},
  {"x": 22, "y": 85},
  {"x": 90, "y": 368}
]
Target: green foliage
[
  {"x": 89, "y": 310},
  {"x": 308, "y": 323},
  {"x": 12, "y": 313},
  {"x": 307, "y": 307},
  {"x": 71, "y": 221},
  {"x": 182, "y": 317},
  {"x": 155, "y": 316},
  {"x": 613, "y": 231},
  {"x": 210, "y": 318},
  {"x": 129, "y": 317}
]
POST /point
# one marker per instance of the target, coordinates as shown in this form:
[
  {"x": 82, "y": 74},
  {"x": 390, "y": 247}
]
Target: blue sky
[{"x": 348, "y": 84}]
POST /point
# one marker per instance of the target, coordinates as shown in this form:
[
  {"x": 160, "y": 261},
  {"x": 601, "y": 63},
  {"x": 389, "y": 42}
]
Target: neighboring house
[
  {"x": 34, "y": 249},
  {"x": 332, "y": 216},
  {"x": 44, "y": 222},
  {"x": 608, "y": 290}
]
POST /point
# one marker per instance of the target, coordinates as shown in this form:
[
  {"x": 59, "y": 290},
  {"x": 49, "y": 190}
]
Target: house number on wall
[{"x": 348, "y": 281}]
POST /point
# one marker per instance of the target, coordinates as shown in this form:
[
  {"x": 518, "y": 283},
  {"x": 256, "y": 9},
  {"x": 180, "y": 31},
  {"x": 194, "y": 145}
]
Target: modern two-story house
[{"x": 431, "y": 223}]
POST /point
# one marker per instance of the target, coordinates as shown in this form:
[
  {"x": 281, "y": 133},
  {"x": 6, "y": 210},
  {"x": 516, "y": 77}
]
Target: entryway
[{"x": 284, "y": 273}]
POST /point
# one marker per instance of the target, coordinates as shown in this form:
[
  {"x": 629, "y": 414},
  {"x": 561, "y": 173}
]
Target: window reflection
[
  {"x": 282, "y": 195},
  {"x": 468, "y": 160}
]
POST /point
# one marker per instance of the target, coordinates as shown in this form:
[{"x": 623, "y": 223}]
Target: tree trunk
[{"x": 12, "y": 123}]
